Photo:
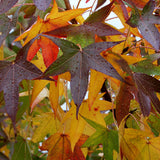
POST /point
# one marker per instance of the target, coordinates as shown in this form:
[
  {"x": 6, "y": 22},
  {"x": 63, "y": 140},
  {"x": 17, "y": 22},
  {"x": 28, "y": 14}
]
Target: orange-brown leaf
[
  {"x": 78, "y": 154},
  {"x": 58, "y": 146},
  {"x": 123, "y": 100}
]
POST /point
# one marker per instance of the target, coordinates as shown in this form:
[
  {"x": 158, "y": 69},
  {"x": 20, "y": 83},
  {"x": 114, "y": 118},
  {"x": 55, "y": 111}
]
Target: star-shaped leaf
[
  {"x": 108, "y": 138},
  {"x": 147, "y": 86},
  {"x": 78, "y": 62},
  {"x": 53, "y": 20},
  {"x": 59, "y": 147},
  {"x": 11, "y": 74},
  {"x": 146, "y": 24}
]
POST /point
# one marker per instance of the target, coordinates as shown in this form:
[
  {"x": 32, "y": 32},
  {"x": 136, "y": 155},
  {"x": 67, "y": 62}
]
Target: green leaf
[
  {"x": 146, "y": 66},
  {"x": 24, "y": 103},
  {"x": 21, "y": 150},
  {"x": 154, "y": 121},
  {"x": 108, "y": 138},
  {"x": 47, "y": 125}
]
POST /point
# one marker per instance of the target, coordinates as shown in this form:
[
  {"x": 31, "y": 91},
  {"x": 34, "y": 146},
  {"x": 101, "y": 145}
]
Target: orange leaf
[
  {"x": 54, "y": 20},
  {"x": 33, "y": 50},
  {"x": 77, "y": 154},
  {"x": 49, "y": 50},
  {"x": 58, "y": 146}
]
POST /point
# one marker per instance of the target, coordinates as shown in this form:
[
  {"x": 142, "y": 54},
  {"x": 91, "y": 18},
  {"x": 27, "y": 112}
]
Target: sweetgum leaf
[
  {"x": 98, "y": 28},
  {"x": 78, "y": 62},
  {"x": 5, "y": 26},
  {"x": 6, "y": 5},
  {"x": 146, "y": 66},
  {"x": 21, "y": 150},
  {"x": 145, "y": 103},
  {"x": 147, "y": 86},
  {"x": 100, "y": 15},
  {"x": 146, "y": 24},
  {"x": 108, "y": 138},
  {"x": 123, "y": 100},
  {"x": 42, "y": 4},
  {"x": 11, "y": 74}
]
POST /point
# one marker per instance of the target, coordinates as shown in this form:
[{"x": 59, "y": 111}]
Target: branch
[{"x": 68, "y": 7}]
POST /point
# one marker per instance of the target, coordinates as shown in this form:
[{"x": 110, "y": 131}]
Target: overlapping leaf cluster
[{"x": 84, "y": 88}]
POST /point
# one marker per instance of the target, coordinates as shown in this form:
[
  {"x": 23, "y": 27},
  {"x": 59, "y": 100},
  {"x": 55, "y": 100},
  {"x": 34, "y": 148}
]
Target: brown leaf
[{"x": 123, "y": 100}]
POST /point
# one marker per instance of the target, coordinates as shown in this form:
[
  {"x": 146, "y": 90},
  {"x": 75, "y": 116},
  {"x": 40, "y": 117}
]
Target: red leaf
[
  {"x": 49, "y": 50},
  {"x": 33, "y": 50}
]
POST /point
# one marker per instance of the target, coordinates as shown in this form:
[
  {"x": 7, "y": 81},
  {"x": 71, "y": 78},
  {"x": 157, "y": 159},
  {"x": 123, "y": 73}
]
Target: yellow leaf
[
  {"x": 112, "y": 58},
  {"x": 119, "y": 12},
  {"x": 47, "y": 124},
  {"x": 39, "y": 63},
  {"x": 31, "y": 32},
  {"x": 77, "y": 126},
  {"x": 1, "y": 53},
  {"x": 131, "y": 59},
  {"x": 138, "y": 144},
  {"x": 38, "y": 86},
  {"x": 54, "y": 95},
  {"x": 52, "y": 21},
  {"x": 5, "y": 150},
  {"x": 96, "y": 81}
]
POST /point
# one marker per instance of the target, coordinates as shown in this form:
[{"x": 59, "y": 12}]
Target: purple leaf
[
  {"x": 147, "y": 86},
  {"x": 42, "y": 4},
  {"x": 79, "y": 62},
  {"x": 5, "y": 26},
  {"x": 146, "y": 24},
  {"x": 98, "y": 28},
  {"x": 5, "y": 5},
  {"x": 147, "y": 82},
  {"x": 11, "y": 74},
  {"x": 145, "y": 103}
]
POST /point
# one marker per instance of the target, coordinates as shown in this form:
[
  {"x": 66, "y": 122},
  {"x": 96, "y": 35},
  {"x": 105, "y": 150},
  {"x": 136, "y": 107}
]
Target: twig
[
  {"x": 67, "y": 3},
  {"x": 68, "y": 7},
  {"x": 78, "y": 3}
]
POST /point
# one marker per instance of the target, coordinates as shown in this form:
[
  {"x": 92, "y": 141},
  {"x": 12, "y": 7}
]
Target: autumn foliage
[{"x": 75, "y": 87}]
